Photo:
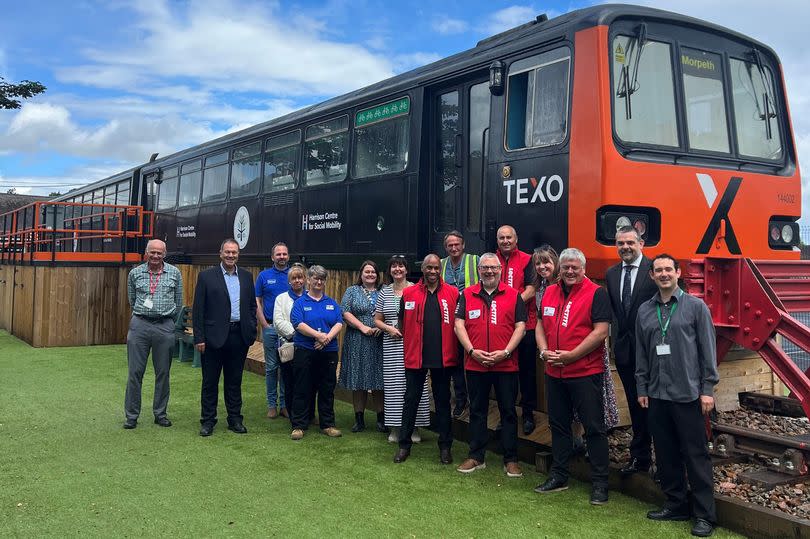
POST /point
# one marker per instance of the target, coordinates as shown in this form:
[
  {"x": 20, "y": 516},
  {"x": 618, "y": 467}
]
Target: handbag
[{"x": 286, "y": 352}]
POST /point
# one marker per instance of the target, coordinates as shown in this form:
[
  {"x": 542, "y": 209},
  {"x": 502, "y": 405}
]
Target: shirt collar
[
  {"x": 225, "y": 272},
  {"x": 676, "y": 296},
  {"x": 636, "y": 263}
]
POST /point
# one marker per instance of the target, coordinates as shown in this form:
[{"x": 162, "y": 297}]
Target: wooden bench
[{"x": 185, "y": 337}]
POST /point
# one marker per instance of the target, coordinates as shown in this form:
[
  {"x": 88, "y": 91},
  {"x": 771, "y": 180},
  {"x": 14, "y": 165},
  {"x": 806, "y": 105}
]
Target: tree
[
  {"x": 11, "y": 191},
  {"x": 55, "y": 194},
  {"x": 24, "y": 90}
]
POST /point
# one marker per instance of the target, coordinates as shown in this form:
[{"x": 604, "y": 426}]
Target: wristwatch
[
  {"x": 470, "y": 351},
  {"x": 508, "y": 352},
  {"x": 542, "y": 354}
]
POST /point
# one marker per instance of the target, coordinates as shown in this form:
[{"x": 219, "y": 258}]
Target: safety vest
[
  {"x": 490, "y": 326},
  {"x": 470, "y": 263},
  {"x": 414, "y": 298},
  {"x": 512, "y": 273}
]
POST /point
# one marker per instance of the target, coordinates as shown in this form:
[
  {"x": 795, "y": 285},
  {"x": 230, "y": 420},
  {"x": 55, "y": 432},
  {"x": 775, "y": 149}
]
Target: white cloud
[
  {"x": 448, "y": 26},
  {"x": 508, "y": 18}
]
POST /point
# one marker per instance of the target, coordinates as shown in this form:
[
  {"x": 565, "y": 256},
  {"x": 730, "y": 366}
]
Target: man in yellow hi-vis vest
[{"x": 459, "y": 269}]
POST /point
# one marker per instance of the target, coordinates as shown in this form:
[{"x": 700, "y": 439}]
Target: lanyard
[
  {"x": 664, "y": 327},
  {"x": 153, "y": 283}
]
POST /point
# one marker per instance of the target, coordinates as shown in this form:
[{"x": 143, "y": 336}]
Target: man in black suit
[
  {"x": 629, "y": 285},
  {"x": 224, "y": 317}
]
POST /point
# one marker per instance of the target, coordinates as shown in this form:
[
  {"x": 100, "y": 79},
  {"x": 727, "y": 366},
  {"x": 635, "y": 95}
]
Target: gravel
[{"x": 787, "y": 426}]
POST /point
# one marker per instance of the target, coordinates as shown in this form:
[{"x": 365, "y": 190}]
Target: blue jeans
[{"x": 271, "y": 368}]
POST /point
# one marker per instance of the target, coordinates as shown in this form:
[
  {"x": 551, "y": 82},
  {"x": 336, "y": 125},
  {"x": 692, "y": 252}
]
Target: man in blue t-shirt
[{"x": 271, "y": 283}]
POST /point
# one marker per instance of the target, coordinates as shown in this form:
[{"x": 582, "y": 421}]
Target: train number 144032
[{"x": 786, "y": 199}]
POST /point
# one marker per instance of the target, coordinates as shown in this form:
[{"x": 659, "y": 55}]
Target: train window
[
  {"x": 281, "y": 162},
  {"x": 479, "y": 121},
  {"x": 191, "y": 166},
  {"x": 755, "y": 110},
  {"x": 326, "y": 152},
  {"x": 169, "y": 172},
  {"x": 447, "y": 173},
  {"x": 215, "y": 183},
  {"x": 189, "y": 191},
  {"x": 109, "y": 195},
  {"x": 537, "y": 100},
  {"x": 167, "y": 196},
  {"x": 122, "y": 196},
  {"x": 382, "y": 135},
  {"x": 216, "y": 159},
  {"x": 246, "y": 174},
  {"x": 705, "y": 100},
  {"x": 644, "y": 92}
]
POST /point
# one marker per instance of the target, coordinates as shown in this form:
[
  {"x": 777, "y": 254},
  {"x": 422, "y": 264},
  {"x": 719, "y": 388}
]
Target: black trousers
[
  {"x": 527, "y": 372},
  {"x": 506, "y": 388},
  {"x": 679, "y": 432},
  {"x": 315, "y": 372},
  {"x": 583, "y": 395},
  {"x": 230, "y": 361},
  {"x": 288, "y": 377},
  {"x": 440, "y": 385},
  {"x": 640, "y": 446},
  {"x": 459, "y": 380}
]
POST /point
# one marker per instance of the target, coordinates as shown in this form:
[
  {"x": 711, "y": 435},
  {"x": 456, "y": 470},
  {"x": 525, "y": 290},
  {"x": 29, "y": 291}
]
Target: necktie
[{"x": 627, "y": 292}]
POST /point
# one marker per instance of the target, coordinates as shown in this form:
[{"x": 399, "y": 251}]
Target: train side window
[
  {"x": 705, "y": 100},
  {"x": 537, "y": 100},
  {"x": 382, "y": 135},
  {"x": 325, "y": 151},
  {"x": 122, "y": 194},
  {"x": 755, "y": 111},
  {"x": 189, "y": 191},
  {"x": 281, "y": 162},
  {"x": 215, "y": 178},
  {"x": 643, "y": 92},
  {"x": 246, "y": 167},
  {"x": 167, "y": 195}
]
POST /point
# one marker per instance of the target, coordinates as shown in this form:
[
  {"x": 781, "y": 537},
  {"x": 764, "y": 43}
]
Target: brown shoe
[
  {"x": 272, "y": 413},
  {"x": 512, "y": 469},
  {"x": 297, "y": 434},
  {"x": 470, "y": 465},
  {"x": 284, "y": 413},
  {"x": 332, "y": 432}
]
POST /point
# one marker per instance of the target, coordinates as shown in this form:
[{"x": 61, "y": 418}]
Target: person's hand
[
  {"x": 497, "y": 356},
  {"x": 322, "y": 338},
  {"x": 318, "y": 345},
  {"x": 394, "y": 332},
  {"x": 644, "y": 402},
  {"x": 200, "y": 347},
  {"x": 482, "y": 357},
  {"x": 369, "y": 331},
  {"x": 706, "y": 404}
]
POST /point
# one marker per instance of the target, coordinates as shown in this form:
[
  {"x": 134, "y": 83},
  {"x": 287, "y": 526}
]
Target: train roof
[{"x": 532, "y": 33}]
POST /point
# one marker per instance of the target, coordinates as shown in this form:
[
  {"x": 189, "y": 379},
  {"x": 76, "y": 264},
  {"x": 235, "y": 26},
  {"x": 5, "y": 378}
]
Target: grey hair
[
  {"x": 317, "y": 271},
  {"x": 487, "y": 255},
  {"x": 572, "y": 253},
  {"x": 431, "y": 255}
]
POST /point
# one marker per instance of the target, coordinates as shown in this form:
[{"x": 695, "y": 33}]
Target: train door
[{"x": 458, "y": 129}]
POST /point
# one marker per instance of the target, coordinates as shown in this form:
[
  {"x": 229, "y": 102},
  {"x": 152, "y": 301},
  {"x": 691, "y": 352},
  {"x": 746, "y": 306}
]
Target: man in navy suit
[
  {"x": 629, "y": 285},
  {"x": 224, "y": 317}
]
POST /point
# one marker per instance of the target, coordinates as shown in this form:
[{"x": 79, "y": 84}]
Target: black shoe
[
  {"x": 702, "y": 528},
  {"x": 667, "y": 514},
  {"x": 528, "y": 424},
  {"x": 381, "y": 423},
  {"x": 402, "y": 455},
  {"x": 163, "y": 421},
  {"x": 634, "y": 466},
  {"x": 458, "y": 411},
  {"x": 130, "y": 424},
  {"x": 552, "y": 484},
  {"x": 599, "y": 495},
  {"x": 359, "y": 422},
  {"x": 445, "y": 457},
  {"x": 238, "y": 428},
  {"x": 206, "y": 430}
]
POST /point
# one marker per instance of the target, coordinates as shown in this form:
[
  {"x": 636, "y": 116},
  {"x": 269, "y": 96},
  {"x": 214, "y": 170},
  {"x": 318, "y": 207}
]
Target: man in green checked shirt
[{"x": 155, "y": 292}]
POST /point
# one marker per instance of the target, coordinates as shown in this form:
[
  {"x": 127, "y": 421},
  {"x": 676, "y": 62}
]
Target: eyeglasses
[
  {"x": 575, "y": 269},
  {"x": 489, "y": 268},
  {"x": 319, "y": 279}
]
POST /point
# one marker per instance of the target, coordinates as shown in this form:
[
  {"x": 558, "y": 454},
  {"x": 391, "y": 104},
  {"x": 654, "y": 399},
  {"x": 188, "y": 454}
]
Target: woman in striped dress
[{"x": 386, "y": 319}]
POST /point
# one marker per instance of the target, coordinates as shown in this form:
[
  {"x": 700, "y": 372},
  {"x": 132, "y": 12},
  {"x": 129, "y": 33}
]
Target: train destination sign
[{"x": 392, "y": 109}]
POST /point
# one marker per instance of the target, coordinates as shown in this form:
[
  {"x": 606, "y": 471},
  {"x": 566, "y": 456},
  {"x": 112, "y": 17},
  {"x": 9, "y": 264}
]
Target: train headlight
[
  {"x": 622, "y": 222},
  {"x": 783, "y": 233},
  {"x": 609, "y": 219}
]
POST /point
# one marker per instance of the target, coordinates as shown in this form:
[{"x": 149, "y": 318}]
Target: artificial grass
[{"x": 69, "y": 469}]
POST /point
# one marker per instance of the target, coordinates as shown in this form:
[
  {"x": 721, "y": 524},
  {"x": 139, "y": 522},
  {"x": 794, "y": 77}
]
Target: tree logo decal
[{"x": 241, "y": 227}]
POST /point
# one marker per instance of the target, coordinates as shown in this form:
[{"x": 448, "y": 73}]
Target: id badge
[
  {"x": 662, "y": 350},
  {"x": 147, "y": 303}
]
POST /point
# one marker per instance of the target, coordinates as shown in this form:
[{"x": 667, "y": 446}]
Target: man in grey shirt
[
  {"x": 676, "y": 371},
  {"x": 155, "y": 292}
]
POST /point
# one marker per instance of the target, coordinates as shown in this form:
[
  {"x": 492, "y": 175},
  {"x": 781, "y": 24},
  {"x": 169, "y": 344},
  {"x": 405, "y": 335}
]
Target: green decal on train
[{"x": 385, "y": 111}]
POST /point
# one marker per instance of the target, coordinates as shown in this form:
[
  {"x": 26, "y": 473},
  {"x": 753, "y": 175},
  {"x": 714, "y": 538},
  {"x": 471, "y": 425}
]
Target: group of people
[{"x": 473, "y": 324}]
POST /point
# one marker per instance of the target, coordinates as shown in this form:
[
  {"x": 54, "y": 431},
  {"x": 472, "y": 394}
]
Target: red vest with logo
[
  {"x": 414, "y": 298},
  {"x": 490, "y": 327},
  {"x": 566, "y": 322},
  {"x": 512, "y": 273}
]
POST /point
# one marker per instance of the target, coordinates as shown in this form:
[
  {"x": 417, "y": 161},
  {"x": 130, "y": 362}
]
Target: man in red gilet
[
  {"x": 571, "y": 336},
  {"x": 517, "y": 271},
  {"x": 426, "y": 315},
  {"x": 490, "y": 322}
]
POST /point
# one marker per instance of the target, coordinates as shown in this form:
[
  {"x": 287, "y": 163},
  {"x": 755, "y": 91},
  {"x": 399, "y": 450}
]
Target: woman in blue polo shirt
[{"x": 317, "y": 320}]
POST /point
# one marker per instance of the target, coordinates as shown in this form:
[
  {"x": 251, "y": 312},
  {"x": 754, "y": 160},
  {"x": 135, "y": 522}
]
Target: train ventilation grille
[{"x": 278, "y": 199}]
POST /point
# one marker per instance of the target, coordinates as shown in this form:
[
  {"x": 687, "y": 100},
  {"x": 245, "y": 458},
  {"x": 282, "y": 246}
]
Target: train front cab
[{"x": 684, "y": 132}]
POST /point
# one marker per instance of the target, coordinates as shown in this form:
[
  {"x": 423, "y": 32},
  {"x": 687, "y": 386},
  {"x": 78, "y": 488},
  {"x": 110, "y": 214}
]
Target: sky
[{"x": 128, "y": 78}]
